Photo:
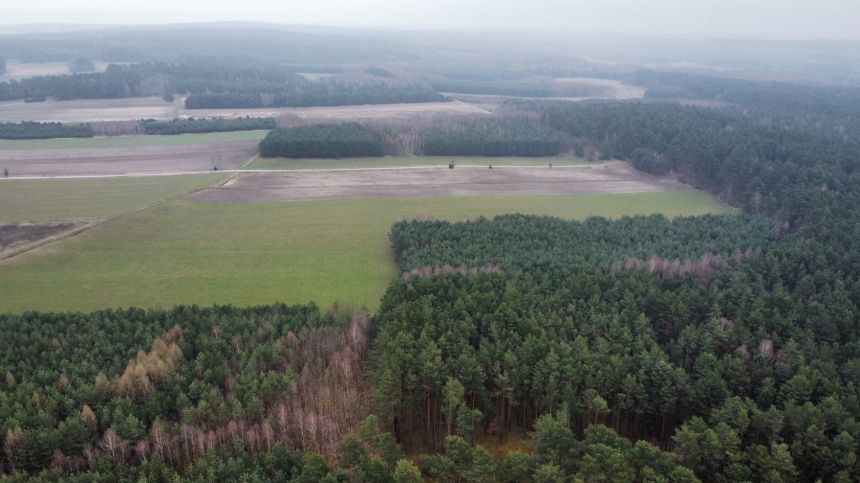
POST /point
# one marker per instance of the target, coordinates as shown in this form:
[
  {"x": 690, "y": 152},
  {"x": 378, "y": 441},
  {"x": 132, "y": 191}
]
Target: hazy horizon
[{"x": 730, "y": 19}]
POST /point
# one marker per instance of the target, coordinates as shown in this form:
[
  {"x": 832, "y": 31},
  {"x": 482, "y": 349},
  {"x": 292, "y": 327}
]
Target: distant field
[
  {"x": 252, "y": 253},
  {"x": 132, "y": 141},
  {"x": 394, "y": 161},
  {"x": 408, "y": 182},
  {"x": 18, "y": 70},
  {"x": 89, "y": 199},
  {"x": 158, "y": 159},
  {"x": 370, "y": 112},
  {"x": 88, "y": 110}
]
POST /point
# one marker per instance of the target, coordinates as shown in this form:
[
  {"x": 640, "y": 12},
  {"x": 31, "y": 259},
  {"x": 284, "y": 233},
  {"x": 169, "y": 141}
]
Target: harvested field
[
  {"x": 17, "y": 233},
  {"x": 19, "y": 237},
  {"x": 378, "y": 112},
  {"x": 178, "y": 158},
  {"x": 613, "y": 177},
  {"x": 88, "y": 110}
]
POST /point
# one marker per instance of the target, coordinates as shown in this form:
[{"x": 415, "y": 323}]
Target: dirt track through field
[
  {"x": 613, "y": 177},
  {"x": 139, "y": 159}
]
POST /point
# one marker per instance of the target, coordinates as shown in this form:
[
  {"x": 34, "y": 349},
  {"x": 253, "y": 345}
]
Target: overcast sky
[{"x": 722, "y": 18}]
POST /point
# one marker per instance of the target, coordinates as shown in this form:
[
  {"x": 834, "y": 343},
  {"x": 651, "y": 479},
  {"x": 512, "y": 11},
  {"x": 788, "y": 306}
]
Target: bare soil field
[
  {"x": 377, "y": 112},
  {"x": 179, "y": 158},
  {"x": 16, "y": 238},
  {"x": 612, "y": 177},
  {"x": 88, "y": 110}
]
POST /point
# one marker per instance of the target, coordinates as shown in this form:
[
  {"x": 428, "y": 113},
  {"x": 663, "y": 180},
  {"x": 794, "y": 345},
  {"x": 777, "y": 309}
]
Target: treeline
[
  {"x": 824, "y": 110},
  {"x": 323, "y": 141},
  {"x": 37, "y": 130},
  {"x": 492, "y": 137},
  {"x": 769, "y": 170},
  {"x": 44, "y": 130},
  {"x": 521, "y": 242},
  {"x": 318, "y": 93},
  {"x": 188, "y": 126},
  {"x": 215, "y": 85}
]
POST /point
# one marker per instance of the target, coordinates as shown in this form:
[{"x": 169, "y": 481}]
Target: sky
[{"x": 786, "y": 19}]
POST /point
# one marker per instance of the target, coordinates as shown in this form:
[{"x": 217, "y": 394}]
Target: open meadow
[
  {"x": 183, "y": 252},
  {"x": 41, "y": 200}
]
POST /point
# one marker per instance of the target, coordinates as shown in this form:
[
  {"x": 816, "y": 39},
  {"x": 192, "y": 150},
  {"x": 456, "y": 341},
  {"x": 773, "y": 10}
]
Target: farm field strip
[
  {"x": 88, "y": 110},
  {"x": 48, "y": 200},
  {"x": 136, "y": 108},
  {"x": 179, "y": 158},
  {"x": 130, "y": 141},
  {"x": 268, "y": 164},
  {"x": 183, "y": 252},
  {"x": 303, "y": 185}
]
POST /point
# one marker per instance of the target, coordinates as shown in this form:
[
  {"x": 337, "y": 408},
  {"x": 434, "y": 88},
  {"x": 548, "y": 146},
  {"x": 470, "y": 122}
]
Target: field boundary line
[
  {"x": 26, "y": 247},
  {"x": 299, "y": 170},
  {"x": 4, "y": 256}
]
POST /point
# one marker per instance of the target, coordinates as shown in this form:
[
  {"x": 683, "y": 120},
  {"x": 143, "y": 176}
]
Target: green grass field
[
  {"x": 90, "y": 199},
  {"x": 393, "y": 161},
  {"x": 131, "y": 141},
  {"x": 183, "y": 252}
]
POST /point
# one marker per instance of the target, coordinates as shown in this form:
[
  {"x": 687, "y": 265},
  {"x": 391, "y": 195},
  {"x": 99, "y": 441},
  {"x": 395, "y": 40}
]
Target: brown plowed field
[
  {"x": 614, "y": 177},
  {"x": 130, "y": 160}
]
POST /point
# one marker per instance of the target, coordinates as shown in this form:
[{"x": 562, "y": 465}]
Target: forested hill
[{"x": 216, "y": 84}]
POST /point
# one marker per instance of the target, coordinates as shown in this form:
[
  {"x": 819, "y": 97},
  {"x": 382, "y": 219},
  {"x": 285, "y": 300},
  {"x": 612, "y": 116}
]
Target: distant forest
[
  {"x": 214, "y": 85},
  {"x": 717, "y": 349}
]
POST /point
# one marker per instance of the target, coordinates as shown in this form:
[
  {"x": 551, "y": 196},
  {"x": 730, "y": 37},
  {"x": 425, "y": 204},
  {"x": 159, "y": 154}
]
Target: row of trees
[
  {"x": 493, "y": 137},
  {"x": 524, "y": 242},
  {"x": 318, "y": 93},
  {"x": 37, "y": 130},
  {"x": 323, "y": 141},
  {"x": 192, "y": 125},
  {"x": 44, "y": 130}
]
